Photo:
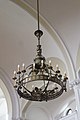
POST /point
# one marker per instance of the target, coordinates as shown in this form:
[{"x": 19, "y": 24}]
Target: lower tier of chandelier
[{"x": 41, "y": 88}]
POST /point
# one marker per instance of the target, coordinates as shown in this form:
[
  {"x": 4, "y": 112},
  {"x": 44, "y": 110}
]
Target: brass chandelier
[{"x": 39, "y": 81}]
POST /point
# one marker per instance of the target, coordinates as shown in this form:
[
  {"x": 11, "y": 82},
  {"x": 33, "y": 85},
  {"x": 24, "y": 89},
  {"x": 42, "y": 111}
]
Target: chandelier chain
[
  {"x": 38, "y": 21},
  {"x": 38, "y": 14}
]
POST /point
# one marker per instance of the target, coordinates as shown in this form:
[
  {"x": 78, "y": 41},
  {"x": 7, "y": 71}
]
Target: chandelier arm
[
  {"x": 53, "y": 70},
  {"x": 27, "y": 89},
  {"x": 46, "y": 87},
  {"x": 47, "y": 70},
  {"x": 29, "y": 66},
  {"x": 23, "y": 79},
  {"x": 30, "y": 72},
  {"x": 19, "y": 79}
]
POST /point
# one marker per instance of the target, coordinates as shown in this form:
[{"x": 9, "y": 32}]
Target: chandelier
[{"x": 39, "y": 81}]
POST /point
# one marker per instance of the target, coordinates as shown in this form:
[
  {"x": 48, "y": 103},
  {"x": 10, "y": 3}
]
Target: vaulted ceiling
[{"x": 60, "y": 21}]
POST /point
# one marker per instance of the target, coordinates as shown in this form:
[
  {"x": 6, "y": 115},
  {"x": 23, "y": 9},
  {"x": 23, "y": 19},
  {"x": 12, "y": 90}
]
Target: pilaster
[{"x": 75, "y": 85}]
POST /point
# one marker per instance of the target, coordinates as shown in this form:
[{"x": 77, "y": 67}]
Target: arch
[
  {"x": 78, "y": 59},
  {"x": 3, "y": 105},
  {"x": 7, "y": 97},
  {"x": 29, "y": 105},
  {"x": 41, "y": 110},
  {"x": 10, "y": 94}
]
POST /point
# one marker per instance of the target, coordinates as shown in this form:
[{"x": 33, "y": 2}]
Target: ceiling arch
[
  {"x": 3, "y": 105},
  {"x": 38, "y": 112},
  {"x": 78, "y": 59},
  {"x": 10, "y": 95}
]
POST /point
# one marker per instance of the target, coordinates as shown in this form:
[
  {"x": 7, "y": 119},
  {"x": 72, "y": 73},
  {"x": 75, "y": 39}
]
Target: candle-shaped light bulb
[
  {"x": 18, "y": 68},
  {"x": 33, "y": 65},
  {"x": 23, "y": 66},
  {"x": 42, "y": 63},
  {"x": 65, "y": 75},
  {"x": 50, "y": 62},
  {"x": 57, "y": 67},
  {"x": 14, "y": 74}
]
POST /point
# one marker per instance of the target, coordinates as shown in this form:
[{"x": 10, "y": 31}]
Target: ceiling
[{"x": 18, "y": 44}]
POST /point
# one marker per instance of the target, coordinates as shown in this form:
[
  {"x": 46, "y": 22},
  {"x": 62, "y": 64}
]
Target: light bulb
[
  {"x": 33, "y": 65},
  {"x": 50, "y": 62},
  {"x": 23, "y": 66},
  {"x": 14, "y": 74},
  {"x": 18, "y": 68},
  {"x": 57, "y": 67}
]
